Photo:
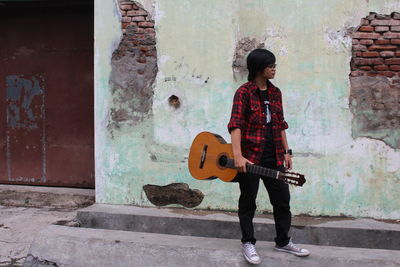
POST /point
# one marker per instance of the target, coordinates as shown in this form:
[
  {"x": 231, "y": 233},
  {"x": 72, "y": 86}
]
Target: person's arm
[
  {"x": 288, "y": 158},
  {"x": 240, "y": 161},
  {"x": 236, "y": 123}
]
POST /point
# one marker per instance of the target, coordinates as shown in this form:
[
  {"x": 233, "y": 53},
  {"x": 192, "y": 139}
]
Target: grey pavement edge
[
  {"x": 359, "y": 233},
  {"x": 75, "y": 247},
  {"x": 45, "y": 196}
]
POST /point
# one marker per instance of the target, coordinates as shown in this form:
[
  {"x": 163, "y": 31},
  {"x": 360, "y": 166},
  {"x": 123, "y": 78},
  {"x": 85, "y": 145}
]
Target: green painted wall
[{"x": 196, "y": 43}]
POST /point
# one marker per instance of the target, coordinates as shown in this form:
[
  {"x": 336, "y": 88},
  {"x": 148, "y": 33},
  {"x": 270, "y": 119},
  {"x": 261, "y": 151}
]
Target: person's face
[{"x": 269, "y": 71}]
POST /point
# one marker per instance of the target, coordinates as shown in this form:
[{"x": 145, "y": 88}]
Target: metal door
[{"x": 46, "y": 94}]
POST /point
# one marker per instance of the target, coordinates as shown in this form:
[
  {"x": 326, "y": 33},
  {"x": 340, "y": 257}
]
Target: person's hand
[
  {"x": 240, "y": 163},
  {"x": 288, "y": 162}
]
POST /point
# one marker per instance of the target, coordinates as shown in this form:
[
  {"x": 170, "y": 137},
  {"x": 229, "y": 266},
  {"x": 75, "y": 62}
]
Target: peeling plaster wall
[{"x": 196, "y": 43}]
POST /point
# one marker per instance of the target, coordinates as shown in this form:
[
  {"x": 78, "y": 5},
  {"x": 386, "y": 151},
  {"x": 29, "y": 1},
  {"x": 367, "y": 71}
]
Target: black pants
[{"x": 279, "y": 196}]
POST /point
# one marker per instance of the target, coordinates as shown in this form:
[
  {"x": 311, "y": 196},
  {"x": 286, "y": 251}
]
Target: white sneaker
[
  {"x": 250, "y": 253},
  {"x": 293, "y": 249}
]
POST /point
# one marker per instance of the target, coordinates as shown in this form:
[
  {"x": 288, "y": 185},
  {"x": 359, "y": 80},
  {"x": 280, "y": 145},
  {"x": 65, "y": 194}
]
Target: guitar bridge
[{"x": 203, "y": 156}]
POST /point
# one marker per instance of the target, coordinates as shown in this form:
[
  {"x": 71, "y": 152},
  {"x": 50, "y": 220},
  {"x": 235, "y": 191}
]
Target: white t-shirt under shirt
[{"x": 269, "y": 148}]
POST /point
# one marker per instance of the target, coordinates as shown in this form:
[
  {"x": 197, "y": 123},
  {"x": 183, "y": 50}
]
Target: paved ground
[
  {"x": 19, "y": 225},
  {"x": 26, "y": 210}
]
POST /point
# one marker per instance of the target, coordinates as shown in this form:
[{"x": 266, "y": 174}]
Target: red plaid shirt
[{"x": 248, "y": 114}]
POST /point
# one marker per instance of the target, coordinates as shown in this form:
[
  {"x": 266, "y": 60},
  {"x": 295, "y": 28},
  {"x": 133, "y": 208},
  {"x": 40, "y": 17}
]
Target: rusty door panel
[
  {"x": 25, "y": 137},
  {"x": 46, "y": 128}
]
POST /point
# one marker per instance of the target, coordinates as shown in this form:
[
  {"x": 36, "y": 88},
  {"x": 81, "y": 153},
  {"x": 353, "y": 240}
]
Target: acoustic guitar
[{"x": 211, "y": 157}]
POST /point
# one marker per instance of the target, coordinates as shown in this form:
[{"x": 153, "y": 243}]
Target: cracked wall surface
[
  {"x": 375, "y": 78},
  {"x": 134, "y": 66},
  {"x": 145, "y": 139},
  {"x": 243, "y": 47}
]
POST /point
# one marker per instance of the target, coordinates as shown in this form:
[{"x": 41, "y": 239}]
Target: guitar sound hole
[{"x": 223, "y": 160}]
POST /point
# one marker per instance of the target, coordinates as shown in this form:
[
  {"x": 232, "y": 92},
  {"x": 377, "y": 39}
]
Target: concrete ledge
[
  {"x": 69, "y": 246},
  {"x": 43, "y": 196},
  {"x": 362, "y": 233}
]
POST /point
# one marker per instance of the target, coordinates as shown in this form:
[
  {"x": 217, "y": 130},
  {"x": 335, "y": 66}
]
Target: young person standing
[{"x": 257, "y": 127}]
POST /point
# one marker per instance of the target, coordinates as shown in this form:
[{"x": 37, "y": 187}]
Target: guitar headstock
[{"x": 293, "y": 178}]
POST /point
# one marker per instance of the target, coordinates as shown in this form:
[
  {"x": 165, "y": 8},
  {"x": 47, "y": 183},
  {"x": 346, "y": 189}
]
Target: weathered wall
[
  {"x": 375, "y": 81},
  {"x": 199, "y": 48}
]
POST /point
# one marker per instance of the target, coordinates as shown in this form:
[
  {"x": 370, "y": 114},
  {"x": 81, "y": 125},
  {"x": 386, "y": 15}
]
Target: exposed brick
[
  {"x": 382, "y": 28},
  {"x": 151, "y": 53},
  {"x": 126, "y": 7},
  {"x": 359, "y": 48},
  {"x": 137, "y": 13},
  {"x": 365, "y": 68},
  {"x": 382, "y": 42},
  {"x": 397, "y": 54},
  {"x": 144, "y": 39},
  {"x": 392, "y": 61},
  {"x": 138, "y": 30},
  {"x": 146, "y": 24},
  {"x": 368, "y": 61},
  {"x": 389, "y": 74},
  {"x": 149, "y": 30},
  {"x": 355, "y": 41},
  {"x": 395, "y": 41},
  {"x": 381, "y": 67},
  {"x": 392, "y": 35},
  {"x": 357, "y": 73},
  {"x": 126, "y": 19},
  {"x": 366, "y": 35},
  {"x": 395, "y": 67},
  {"x": 385, "y": 22},
  {"x": 136, "y": 7},
  {"x": 382, "y": 47},
  {"x": 357, "y": 54},
  {"x": 366, "y": 29},
  {"x": 141, "y": 72},
  {"x": 364, "y": 22},
  {"x": 371, "y": 16},
  {"x": 380, "y": 16},
  {"x": 387, "y": 54},
  {"x": 138, "y": 19},
  {"x": 366, "y": 41},
  {"x": 141, "y": 60},
  {"x": 372, "y": 74},
  {"x": 395, "y": 28},
  {"x": 123, "y": 13},
  {"x": 396, "y": 15},
  {"x": 125, "y": 25},
  {"x": 370, "y": 54}
]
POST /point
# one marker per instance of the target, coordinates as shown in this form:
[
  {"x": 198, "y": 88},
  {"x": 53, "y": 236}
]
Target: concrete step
[
  {"x": 359, "y": 233},
  {"x": 69, "y": 246}
]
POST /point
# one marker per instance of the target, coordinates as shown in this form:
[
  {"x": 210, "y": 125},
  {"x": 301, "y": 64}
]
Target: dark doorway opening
[{"x": 46, "y": 93}]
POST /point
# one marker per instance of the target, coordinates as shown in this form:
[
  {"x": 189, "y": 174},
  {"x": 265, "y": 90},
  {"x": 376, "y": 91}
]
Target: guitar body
[
  {"x": 205, "y": 153},
  {"x": 211, "y": 157}
]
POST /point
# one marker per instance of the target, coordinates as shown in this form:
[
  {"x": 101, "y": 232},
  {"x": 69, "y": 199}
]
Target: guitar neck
[{"x": 254, "y": 169}]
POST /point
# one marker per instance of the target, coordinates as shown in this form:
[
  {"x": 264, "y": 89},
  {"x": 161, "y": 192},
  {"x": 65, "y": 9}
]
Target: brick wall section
[
  {"x": 139, "y": 28},
  {"x": 134, "y": 68},
  {"x": 376, "y": 46},
  {"x": 375, "y": 79}
]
